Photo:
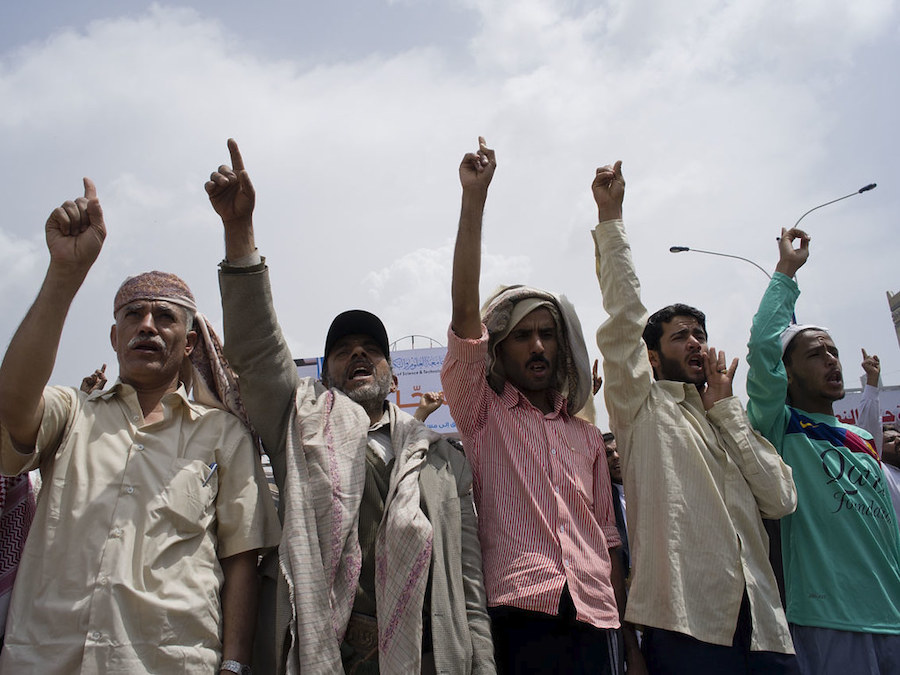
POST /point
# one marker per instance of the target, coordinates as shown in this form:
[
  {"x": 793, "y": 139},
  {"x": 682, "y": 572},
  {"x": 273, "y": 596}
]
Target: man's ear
[
  {"x": 395, "y": 384},
  {"x": 191, "y": 342},
  {"x": 653, "y": 355},
  {"x": 114, "y": 338}
]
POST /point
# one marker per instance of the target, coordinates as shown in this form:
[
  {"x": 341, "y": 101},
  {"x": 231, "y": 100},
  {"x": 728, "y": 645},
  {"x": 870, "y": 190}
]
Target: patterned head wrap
[
  {"x": 211, "y": 380},
  {"x": 507, "y": 306}
]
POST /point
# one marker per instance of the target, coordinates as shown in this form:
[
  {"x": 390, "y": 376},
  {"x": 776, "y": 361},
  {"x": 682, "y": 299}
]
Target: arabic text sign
[{"x": 418, "y": 371}]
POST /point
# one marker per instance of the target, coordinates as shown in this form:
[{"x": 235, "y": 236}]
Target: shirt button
[
  {"x": 117, "y": 532},
  {"x": 552, "y": 451},
  {"x": 135, "y": 418},
  {"x": 95, "y": 635},
  {"x": 138, "y": 447},
  {"x": 129, "y": 490},
  {"x": 567, "y": 563},
  {"x": 562, "y": 528},
  {"x": 103, "y": 581},
  {"x": 556, "y": 488}
]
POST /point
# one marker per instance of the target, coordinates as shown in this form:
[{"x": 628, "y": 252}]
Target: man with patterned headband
[
  {"x": 841, "y": 548},
  {"x": 514, "y": 376},
  {"x": 142, "y": 554}
]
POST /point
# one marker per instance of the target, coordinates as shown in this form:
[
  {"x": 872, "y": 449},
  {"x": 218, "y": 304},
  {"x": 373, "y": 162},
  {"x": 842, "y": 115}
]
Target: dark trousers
[
  {"x": 533, "y": 642},
  {"x": 669, "y": 653}
]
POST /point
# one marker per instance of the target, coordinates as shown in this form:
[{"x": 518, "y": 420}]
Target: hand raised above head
[
  {"x": 608, "y": 187},
  {"x": 75, "y": 231},
  {"x": 791, "y": 259},
  {"x": 477, "y": 168},
  {"x": 871, "y": 364},
  {"x": 230, "y": 191}
]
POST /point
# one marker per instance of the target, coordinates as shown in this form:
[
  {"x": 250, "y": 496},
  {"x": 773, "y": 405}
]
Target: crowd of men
[{"x": 545, "y": 546}]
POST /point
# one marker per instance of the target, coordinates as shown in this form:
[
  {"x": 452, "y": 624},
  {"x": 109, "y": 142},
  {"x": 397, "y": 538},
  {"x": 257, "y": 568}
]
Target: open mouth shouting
[
  {"x": 360, "y": 371},
  {"x": 538, "y": 365},
  {"x": 695, "y": 362},
  {"x": 835, "y": 378}
]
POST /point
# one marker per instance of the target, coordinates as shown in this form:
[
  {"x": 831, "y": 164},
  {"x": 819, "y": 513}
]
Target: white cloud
[{"x": 731, "y": 118}]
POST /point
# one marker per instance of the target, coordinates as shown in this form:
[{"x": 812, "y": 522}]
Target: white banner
[
  {"x": 847, "y": 409},
  {"x": 418, "y": 371}
]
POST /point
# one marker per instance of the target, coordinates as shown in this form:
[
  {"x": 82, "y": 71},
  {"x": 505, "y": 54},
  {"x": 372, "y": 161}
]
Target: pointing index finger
[
  {"x": 90, "y": 190},
  {"x": 237, "y": 162}
]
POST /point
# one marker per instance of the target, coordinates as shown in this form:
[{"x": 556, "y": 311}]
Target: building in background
[{"x": 894, "y": 304}]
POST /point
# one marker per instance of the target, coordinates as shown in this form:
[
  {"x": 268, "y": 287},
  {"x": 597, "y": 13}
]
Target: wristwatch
[{"x": 233, "y": 666}]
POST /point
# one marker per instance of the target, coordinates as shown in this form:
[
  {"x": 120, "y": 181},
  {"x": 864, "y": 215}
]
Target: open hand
[{"x": 719, "y": 377}]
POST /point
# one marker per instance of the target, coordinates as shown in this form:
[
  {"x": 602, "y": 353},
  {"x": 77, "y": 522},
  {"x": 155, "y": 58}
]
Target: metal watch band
[{"x": 233, "y": 666}]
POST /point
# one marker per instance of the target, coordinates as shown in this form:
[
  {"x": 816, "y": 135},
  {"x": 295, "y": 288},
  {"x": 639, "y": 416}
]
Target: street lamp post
[{"x": 681, "y": 249}]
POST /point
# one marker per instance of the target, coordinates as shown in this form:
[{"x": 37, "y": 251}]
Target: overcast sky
[{"x": 731, "y": 119}]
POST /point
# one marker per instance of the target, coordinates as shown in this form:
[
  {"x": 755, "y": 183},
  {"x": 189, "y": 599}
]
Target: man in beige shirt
[
  {"x": 698, "y": 478},
  {"x": 142, "y": 555}
]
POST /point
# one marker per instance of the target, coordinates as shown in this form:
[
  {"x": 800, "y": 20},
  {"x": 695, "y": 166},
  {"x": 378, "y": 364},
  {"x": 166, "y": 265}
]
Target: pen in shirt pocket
[{"x": 212, "y": 470}]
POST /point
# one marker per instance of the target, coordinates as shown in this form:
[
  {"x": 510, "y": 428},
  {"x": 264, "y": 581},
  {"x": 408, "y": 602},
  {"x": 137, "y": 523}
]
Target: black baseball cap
[{"x": 357, "y": 322}]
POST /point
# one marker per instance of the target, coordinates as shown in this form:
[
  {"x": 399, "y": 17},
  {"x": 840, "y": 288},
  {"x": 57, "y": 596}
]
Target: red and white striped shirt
[{"x": 542, "y": 489}]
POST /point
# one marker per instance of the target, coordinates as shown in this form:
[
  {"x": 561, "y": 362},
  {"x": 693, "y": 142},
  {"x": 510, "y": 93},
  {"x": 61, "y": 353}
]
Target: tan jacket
[{"x": 269, "y": 384}]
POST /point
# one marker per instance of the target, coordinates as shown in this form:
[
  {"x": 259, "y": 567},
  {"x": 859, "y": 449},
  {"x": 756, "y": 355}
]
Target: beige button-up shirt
[
  {"x": 120, "y": 573},
  {"x": 696, "y": 482}
]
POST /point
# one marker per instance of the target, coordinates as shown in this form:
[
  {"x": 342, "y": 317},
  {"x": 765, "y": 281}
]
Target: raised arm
[
  {"x": 767, "y": 379},
  {"x": 626, "y": 367},
  {"x": 254, "y": 344},
  {"x": 75, "y": 232},
  {"x": 475, "y": 173},
  {"x": 870, "y": 406}
]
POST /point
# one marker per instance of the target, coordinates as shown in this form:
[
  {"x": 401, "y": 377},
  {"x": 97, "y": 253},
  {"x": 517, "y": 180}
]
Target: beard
[
  {"x": 673, "y": 369},
  {"x": 374, "y": 393}
]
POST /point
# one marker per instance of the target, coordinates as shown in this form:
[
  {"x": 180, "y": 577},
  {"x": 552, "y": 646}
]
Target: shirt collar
[
  {"x": 512, "y": 397},
  {"x": 384, "y": 421},
  {"x": 124, "y": 390}
]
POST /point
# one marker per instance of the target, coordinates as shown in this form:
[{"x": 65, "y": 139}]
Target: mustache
[
  {"x": 155, "y": 340},
  {"x": 361, "y": 362},
  {"x": 537, "y": 358}
]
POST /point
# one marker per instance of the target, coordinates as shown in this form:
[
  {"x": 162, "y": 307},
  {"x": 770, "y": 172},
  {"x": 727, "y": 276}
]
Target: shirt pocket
[
  {"x": 580, "y": 466},
  {"x": 186, "y": 503}
]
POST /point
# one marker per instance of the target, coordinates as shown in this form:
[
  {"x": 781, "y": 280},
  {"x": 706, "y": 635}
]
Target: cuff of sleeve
[
  {"x": 246, "y": 265},
  {"x": 611, "y": 532},
  {"x": 467, "y": 350},
  {"x": 790, "y": 282},
  {"x": 726, "y": 411}
]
